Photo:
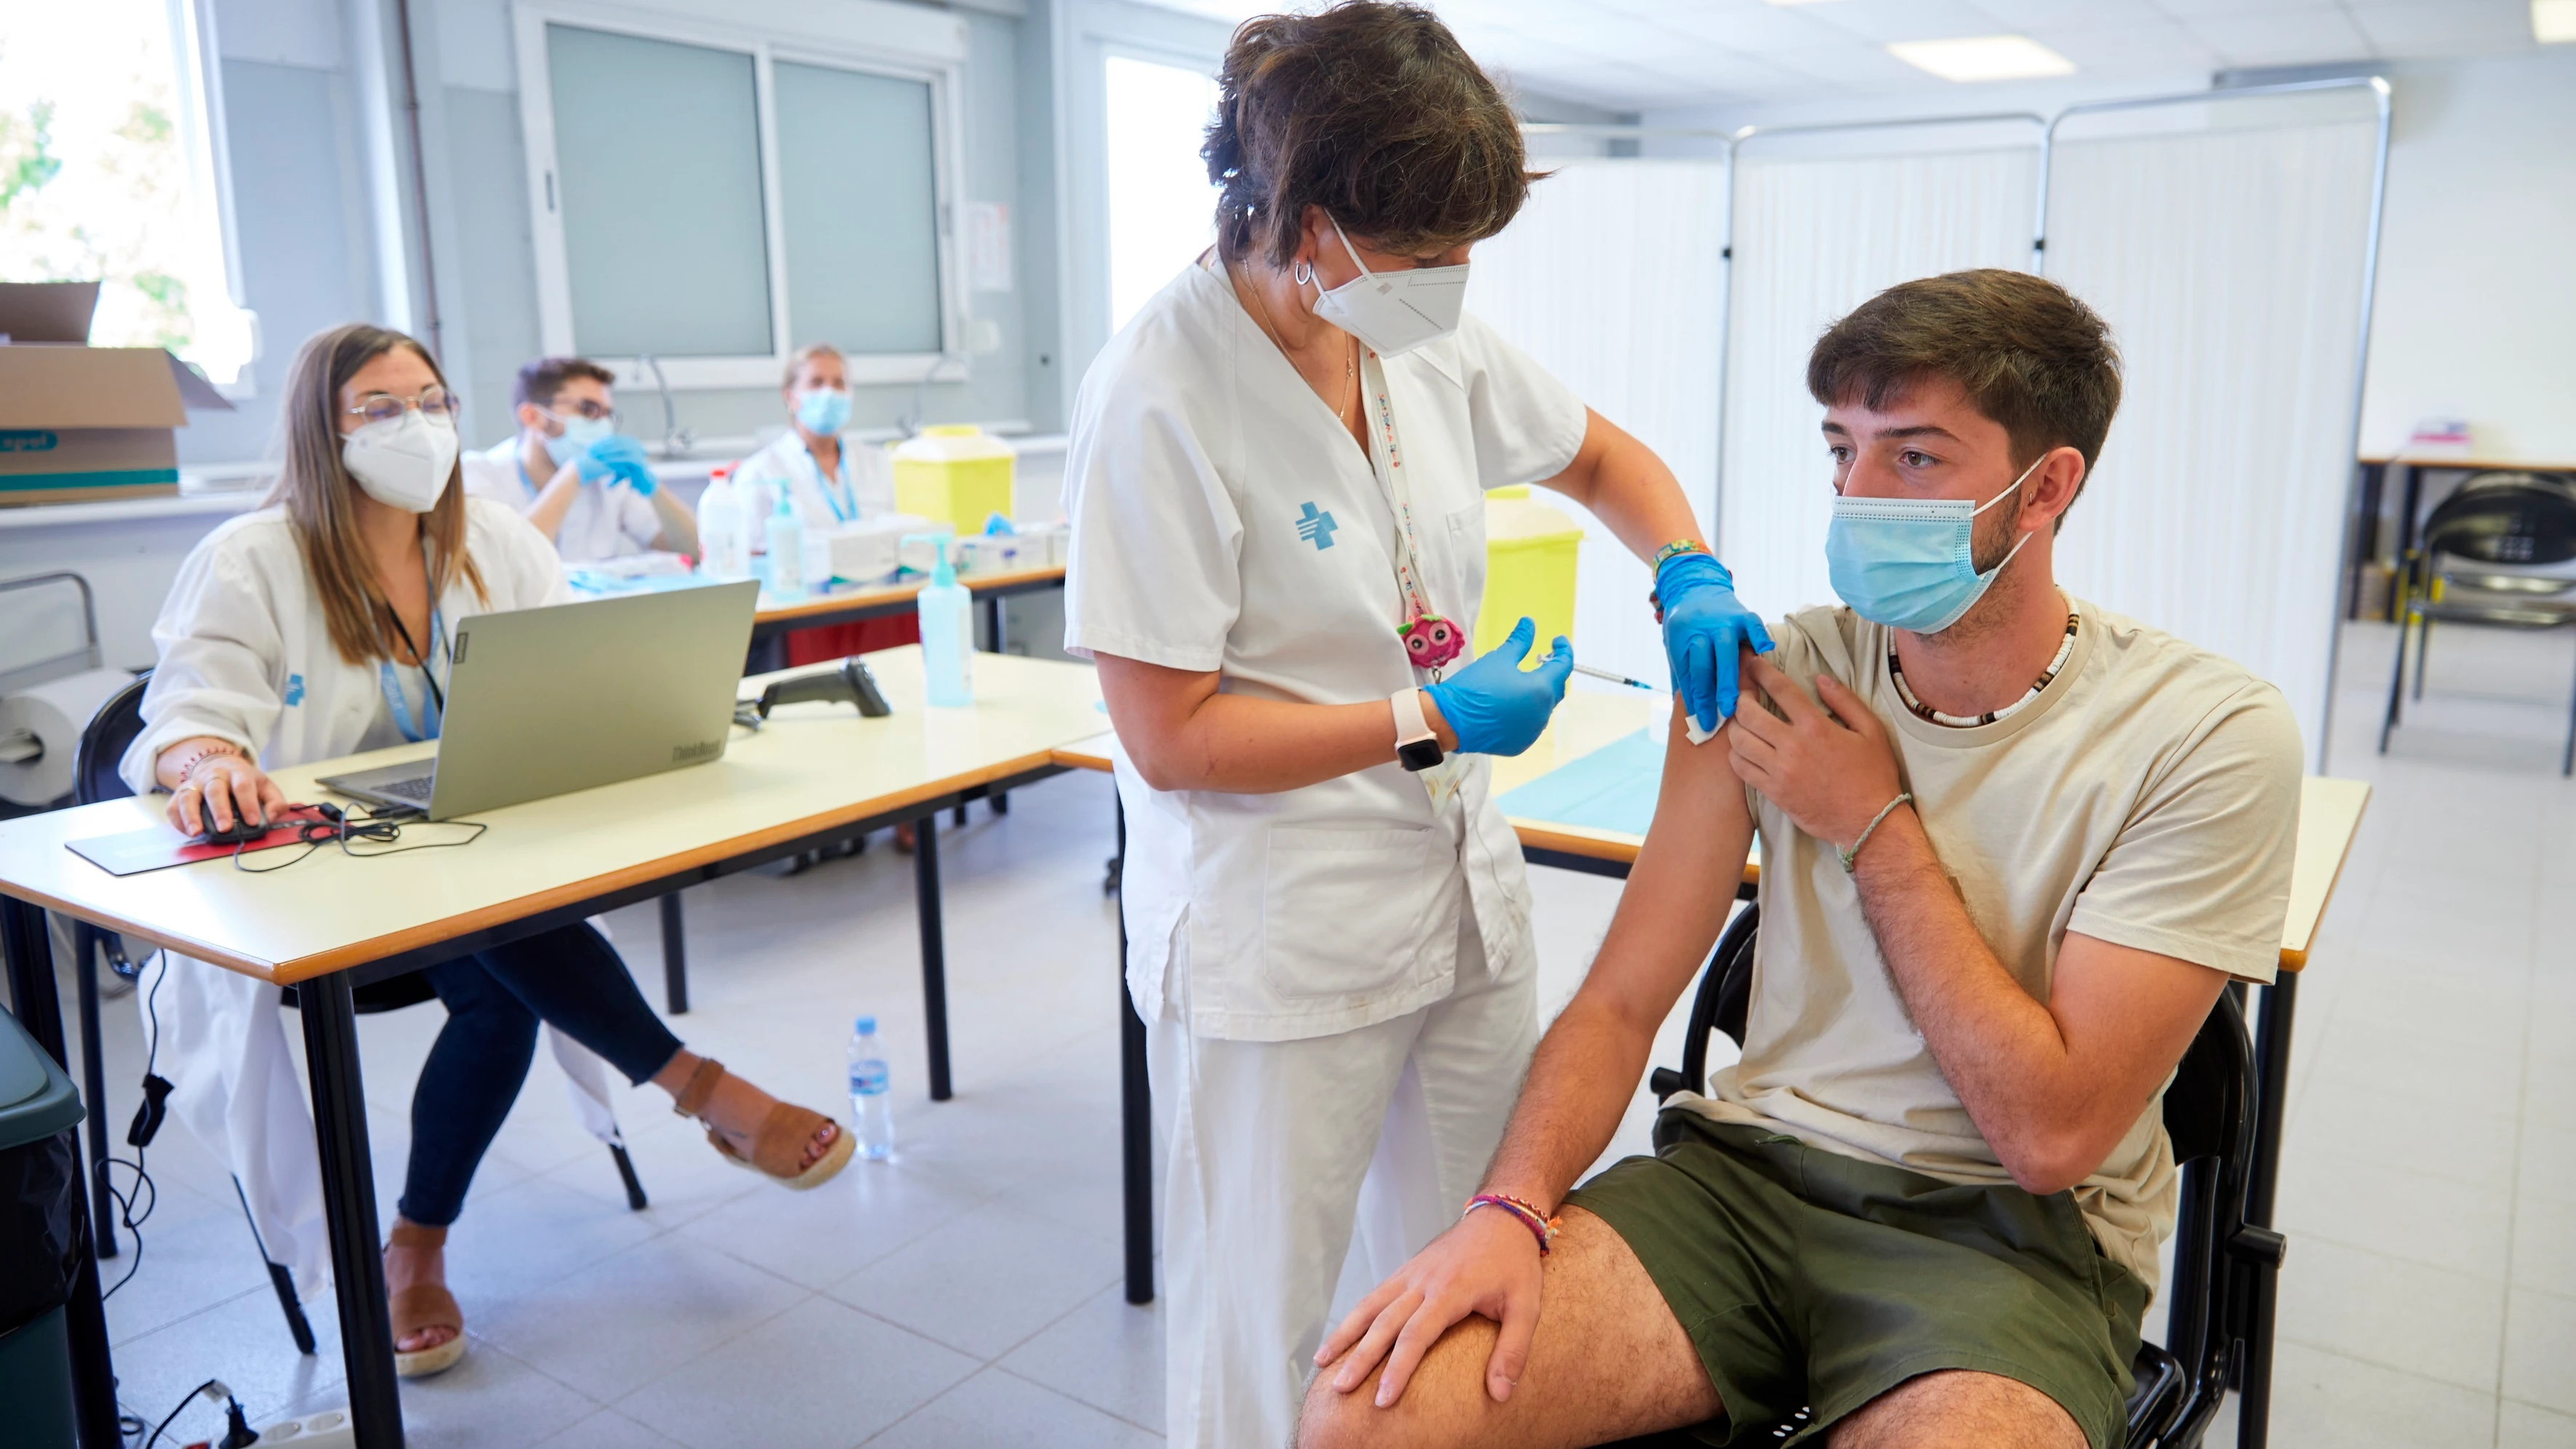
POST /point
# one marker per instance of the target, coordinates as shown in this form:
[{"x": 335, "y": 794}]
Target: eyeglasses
[
  {"x": 384, "y": 407},
  {"x": 582, "y": 407}
]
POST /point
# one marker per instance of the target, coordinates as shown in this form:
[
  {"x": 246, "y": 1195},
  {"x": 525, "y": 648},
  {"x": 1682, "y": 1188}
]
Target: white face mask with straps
[
  {"x": 1392, "y": 313},
  {"x": 403, "y": 462}
]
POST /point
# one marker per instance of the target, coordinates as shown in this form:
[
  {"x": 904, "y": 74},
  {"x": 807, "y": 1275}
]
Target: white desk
[{"x": 817, "y": 773}]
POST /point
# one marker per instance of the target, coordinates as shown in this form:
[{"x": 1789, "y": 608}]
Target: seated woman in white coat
[
  {"x": 827, "y": 486},
  {"x": 316, "y": 627}
]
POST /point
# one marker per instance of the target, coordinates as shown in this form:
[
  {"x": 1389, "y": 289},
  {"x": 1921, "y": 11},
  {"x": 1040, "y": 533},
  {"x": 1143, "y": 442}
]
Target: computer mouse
[{"x": 241, "y": 829}]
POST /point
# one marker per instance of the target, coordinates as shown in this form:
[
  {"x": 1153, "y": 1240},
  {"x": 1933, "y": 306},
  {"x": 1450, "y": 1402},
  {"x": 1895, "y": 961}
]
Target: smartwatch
[{"x": 1416, "y": 747}]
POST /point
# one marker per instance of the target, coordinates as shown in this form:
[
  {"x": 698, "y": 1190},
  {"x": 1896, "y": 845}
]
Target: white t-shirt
[
  {"x": 1224, "y": 519},
  {"x": 2149, "y": 797},
  {"x": 605, "y": 520}
]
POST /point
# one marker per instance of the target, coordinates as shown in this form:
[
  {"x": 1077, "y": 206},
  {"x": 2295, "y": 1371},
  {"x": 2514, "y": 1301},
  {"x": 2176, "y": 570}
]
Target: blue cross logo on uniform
[{"x": 1316, "y": 528}]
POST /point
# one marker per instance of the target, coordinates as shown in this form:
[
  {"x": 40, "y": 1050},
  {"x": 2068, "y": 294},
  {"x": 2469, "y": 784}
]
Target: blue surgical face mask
[
  {"x": 823, "y": 409},
  {"x": 1910, "y": 563},
  {"x": 578, "y": 434}
]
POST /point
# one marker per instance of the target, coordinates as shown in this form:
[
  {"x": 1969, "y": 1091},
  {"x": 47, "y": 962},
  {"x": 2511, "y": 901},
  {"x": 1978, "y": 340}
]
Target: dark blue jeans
[{"x": 569, "y": 979}]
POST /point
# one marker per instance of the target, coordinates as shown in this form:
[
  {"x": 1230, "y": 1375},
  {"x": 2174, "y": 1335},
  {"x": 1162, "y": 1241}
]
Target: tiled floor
[{"x": 968, "y": 1294}]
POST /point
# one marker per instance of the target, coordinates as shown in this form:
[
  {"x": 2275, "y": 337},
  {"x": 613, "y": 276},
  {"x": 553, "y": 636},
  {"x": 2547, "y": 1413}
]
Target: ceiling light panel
[
  {"x": 1982, "y": 58},
  {"x": 2553, "y": 22}
]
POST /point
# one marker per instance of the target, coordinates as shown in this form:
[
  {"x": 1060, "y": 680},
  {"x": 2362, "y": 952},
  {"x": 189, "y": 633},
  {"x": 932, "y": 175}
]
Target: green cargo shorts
[{"x": 1809, "y": 1279}]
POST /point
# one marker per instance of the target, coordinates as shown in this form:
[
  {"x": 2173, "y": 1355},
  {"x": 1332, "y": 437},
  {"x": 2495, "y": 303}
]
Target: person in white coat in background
[
  {"x": 318, "y": 626},
  {"x": 568, "y": 470},
  {"x": 828, "y": 482},
  {"x": 1275, "y": 480}
]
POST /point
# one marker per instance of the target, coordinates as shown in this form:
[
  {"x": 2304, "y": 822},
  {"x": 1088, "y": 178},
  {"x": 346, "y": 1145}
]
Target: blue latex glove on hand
[
  {"x": 1494, "y": 706},
  {"x": 1704, "y": 627},
  {"x": 621, "y": 457}
]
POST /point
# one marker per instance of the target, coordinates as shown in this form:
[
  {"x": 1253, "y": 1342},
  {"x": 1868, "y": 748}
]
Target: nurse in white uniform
[
  {"x": 317, "y": 626},
  {"x": 828, "y": 483},
  {"x": 568, "y": 471},
  {"x": 1275, "y": 481}
]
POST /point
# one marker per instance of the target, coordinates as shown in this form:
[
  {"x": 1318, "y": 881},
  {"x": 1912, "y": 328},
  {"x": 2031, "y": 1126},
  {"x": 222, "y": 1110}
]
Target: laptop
[{"x": 547, "y": 701}]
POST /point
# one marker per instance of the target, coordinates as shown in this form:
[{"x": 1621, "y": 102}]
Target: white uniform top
[
  {"x": 849, "y": 495},
  {"x": 607, "y": 519},
  {"x": 246, "y": 656},
  {"x": 1224, "y": 519}
]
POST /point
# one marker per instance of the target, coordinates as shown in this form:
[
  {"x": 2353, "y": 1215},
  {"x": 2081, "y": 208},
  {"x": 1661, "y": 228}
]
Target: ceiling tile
[
  {"x": 2032, "y": 15},
  {"x": 2300, "y": 38},
  {"x": 2445, "y": 28},
  {"x": 2162, "y": 47},
  {"x": 1746, "y": 25},
  {"x": 1881, "y": 21},
  {"x": 2195, "y": 9},
  {"x": 1858, "y": 67}
]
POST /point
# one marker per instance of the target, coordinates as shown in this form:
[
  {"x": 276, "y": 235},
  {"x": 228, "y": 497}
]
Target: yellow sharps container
[
  {"x": 953, "y": 473},
  {"x": 1530, "y": 553}
]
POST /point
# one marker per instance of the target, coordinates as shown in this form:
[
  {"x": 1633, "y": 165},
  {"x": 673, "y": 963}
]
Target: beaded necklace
[{"x": 1896, "y": 671}]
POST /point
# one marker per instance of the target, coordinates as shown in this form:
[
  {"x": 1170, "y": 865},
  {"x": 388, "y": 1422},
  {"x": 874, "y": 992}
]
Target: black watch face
[{"x": 1419, "y": 754}]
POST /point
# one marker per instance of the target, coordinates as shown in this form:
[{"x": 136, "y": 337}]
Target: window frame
[{"x": 903, "y": 42}]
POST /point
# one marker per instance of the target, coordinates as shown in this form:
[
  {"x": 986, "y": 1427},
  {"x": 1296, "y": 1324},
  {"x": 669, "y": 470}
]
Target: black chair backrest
[
  {"x": 2506, "y": 518},
  {"x": 103, "y": 744}
]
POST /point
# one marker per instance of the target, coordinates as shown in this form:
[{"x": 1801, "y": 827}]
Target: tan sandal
[
  {"x": 778, "y": 1148},
  {"x": 424, "y": 1306}
]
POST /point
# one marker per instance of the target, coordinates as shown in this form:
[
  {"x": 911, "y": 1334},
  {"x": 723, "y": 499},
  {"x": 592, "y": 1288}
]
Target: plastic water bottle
[
  {"x": 786, "y": 549},
  {"x": 947, "y": 636},
  {"x": 870, "y": 1109},
  {"x": 724, "y": 527}
]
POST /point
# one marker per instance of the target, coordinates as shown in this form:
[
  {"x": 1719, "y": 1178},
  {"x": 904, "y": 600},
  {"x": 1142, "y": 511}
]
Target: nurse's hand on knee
[
  {"x": 1494, "y": 706},
  {"x": 1487, "y": 1263}
]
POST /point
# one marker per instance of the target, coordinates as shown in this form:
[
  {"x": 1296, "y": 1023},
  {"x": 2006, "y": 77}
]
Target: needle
[{"x": 1613, "y": 678}]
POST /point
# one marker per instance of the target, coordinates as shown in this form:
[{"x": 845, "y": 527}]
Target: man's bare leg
[
  {"x": 1959, "y": 1409},
  {"x": 1609, "y": 1360}
]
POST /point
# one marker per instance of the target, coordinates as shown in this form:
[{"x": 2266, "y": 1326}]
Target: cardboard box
[{"x": 80, "y": 423}]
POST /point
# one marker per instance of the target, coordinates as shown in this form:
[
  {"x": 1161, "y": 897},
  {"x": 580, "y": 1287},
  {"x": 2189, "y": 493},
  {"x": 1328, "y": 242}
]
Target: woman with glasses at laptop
[{"x": 316, "y": 627}]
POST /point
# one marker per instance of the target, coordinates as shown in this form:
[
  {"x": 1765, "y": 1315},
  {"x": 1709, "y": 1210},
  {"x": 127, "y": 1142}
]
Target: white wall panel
[
  {"x": 2227, "y": 252},
  {"x": 1610, "y": 278},
  {"x": 1814, "y": 238}
]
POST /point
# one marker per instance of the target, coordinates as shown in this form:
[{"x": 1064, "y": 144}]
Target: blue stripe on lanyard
[
  {"x": 845, "y": 512},
  {"x": 422, "y": 723}
]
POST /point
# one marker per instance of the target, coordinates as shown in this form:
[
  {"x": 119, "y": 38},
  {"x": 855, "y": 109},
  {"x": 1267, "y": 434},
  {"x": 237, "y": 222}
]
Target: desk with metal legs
[{"x": 329, "y": 923}]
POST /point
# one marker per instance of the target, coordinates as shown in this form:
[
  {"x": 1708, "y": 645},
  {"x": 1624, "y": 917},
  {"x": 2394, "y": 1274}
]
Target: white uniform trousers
[{"x": 1276, "y": 1150}]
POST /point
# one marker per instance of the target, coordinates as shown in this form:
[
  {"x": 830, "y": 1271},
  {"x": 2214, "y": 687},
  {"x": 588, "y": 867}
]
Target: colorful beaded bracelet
[{"x": 1541, "y": 1226}]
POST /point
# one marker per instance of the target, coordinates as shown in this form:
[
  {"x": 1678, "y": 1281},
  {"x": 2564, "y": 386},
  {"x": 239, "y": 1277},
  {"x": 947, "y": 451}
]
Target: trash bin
[{"x": 40, "y": 1240}]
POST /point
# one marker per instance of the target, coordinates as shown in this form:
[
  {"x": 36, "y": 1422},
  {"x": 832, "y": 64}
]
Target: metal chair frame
[
  {"x": 2219, "y": 1307},
  {"x": 2487, "y": 591}
]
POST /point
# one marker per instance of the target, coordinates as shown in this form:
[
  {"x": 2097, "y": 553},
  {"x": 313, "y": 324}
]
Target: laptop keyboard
[{"x": 415, "y": 787}]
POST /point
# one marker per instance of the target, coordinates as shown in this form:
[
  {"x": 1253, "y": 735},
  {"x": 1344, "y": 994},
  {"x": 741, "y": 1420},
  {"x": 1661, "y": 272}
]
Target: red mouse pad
[{"x": 136, "y": 851}]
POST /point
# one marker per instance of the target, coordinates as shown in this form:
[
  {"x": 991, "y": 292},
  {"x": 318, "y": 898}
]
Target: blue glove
[
  {"x": 1703, "y": 628},
  {"x": 621, "y": 457},
  {"x": 1493, "y": 705}
]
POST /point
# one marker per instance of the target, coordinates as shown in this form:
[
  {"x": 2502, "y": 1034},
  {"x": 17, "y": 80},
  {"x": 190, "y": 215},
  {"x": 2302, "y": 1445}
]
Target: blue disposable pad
[{"x": 1612, "y": 788}]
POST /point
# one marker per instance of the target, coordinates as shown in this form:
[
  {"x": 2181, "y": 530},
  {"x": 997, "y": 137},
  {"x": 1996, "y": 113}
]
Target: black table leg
[
  {"x": 2271, "y": 1093},
  {"x": 675, "y": 959},
  {"x": 934, "y": 958},
  {"x": 349, "y": 1207},
  {"x": 993, "y": 626},
  {"x": 30, "y": 949},
  {"x": 1135, "y": 1116},
  {"x": 85, "y": 945}
]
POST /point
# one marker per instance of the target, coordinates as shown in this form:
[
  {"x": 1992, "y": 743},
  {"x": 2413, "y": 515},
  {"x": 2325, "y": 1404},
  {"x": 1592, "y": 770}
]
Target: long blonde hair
[{"x": 319, "y": 494}]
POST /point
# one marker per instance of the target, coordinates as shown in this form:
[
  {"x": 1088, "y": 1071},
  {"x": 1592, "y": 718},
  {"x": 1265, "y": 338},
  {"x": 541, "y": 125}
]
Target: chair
[
  {"x": 103, "y": 744},
  {"x": 2219, "y": 1304},
  {"x": 2472, "y": 569}
]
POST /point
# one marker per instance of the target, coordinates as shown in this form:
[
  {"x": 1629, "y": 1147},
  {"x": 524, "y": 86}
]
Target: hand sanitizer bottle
[
  {"x": 947, "y": 636},
  {"x": 786, "y": 548}
]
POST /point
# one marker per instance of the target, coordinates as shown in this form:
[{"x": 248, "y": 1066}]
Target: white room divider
[
  {"x": 2228, "y": 240},
  {"x": 1610, "y": 278},
  {"x": 1823, "y": 219}
]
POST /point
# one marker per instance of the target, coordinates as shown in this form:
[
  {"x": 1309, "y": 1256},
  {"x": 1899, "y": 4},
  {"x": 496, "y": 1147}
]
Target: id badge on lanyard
[
  {"x": 422, "y": 723},
  {"x": 1431, "y": 642}
]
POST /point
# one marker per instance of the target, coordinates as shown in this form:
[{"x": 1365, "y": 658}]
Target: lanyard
[
  {"x": 423, "y": 723},
  {"x": 1430, "y": 640},
  {"x": 845, "y": 508}
]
